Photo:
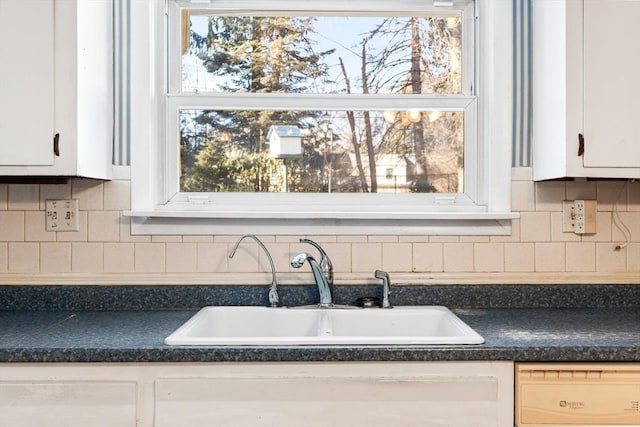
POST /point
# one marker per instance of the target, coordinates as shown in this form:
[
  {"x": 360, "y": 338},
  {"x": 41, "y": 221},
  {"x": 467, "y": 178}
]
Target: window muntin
[{"x": 442, "y": 99}]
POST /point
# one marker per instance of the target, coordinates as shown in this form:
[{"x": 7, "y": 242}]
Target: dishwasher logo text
[{"x": 571, "y": 405}]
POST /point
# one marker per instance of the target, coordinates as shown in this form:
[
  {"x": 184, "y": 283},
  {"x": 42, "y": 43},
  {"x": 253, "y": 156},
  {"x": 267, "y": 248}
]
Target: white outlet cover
[{"x": 62, "y": 215}]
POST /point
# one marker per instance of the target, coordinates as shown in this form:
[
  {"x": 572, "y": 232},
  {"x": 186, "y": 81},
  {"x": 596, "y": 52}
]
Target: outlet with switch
[
  {"x": 62, "y": 215},
  {"x": 579, "y": 216}
]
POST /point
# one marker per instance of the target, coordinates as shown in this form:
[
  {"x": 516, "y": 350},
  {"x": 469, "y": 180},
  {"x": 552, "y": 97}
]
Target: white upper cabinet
[
  {"x": 586, "y": 109},
  {"x": 27, "y": 82},
  {"x": 56, "y": 74}
]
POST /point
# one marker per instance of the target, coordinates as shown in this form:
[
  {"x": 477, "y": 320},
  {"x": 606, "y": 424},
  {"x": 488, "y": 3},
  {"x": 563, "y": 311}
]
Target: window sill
[{"x": 324, "y": 222}]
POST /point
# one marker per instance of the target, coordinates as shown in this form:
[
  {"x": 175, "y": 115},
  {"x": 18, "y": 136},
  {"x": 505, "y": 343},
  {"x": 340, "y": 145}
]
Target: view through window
[{"x": 243, "y": 148}]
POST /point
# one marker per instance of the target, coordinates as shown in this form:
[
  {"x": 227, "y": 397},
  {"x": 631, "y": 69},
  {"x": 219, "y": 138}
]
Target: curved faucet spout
[
  {"x": 273, "y": 289},
  {"x": 325, "y": 262},
  {"x": 324, "y": 290}
]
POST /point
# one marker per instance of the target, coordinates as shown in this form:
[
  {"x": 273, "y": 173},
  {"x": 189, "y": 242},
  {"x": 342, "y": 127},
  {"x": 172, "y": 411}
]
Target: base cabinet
[
  {"x": 429, "y": 394},
  {"x": 67, "y": 404}
]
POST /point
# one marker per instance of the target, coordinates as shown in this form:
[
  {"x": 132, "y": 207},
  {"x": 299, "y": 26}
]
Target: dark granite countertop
[{"x": 590, "y": 325}]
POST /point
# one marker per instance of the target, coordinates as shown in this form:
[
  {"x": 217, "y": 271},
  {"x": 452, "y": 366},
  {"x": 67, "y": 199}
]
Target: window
[{"x": 321, "y": 114}]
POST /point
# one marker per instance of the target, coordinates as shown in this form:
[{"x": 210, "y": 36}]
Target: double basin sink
[{"x": 248, "y": 325}]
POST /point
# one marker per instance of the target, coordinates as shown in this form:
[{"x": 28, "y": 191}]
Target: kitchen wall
[{"x": 104, "y": 251}]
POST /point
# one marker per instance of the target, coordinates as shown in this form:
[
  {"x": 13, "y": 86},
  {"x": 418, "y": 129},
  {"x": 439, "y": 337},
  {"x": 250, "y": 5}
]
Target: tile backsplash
[{"x": 104, "y": 251}]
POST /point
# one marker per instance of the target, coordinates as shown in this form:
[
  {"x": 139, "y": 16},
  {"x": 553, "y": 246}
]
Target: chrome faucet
[
  {"x": 324, "y": 290},
  {"x": 273, "y": 289},
  {"x": 386, "y": 287},
  {"x": 325, "y": 262}
]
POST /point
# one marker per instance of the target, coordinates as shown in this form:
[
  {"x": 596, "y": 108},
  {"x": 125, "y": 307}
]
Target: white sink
[{"x": 228, "y": 325}]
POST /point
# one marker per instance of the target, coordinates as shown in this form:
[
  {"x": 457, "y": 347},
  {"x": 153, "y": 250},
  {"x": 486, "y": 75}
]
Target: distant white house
[
  {"x": 393, "y": 172},
  {"x": 285, "y": 142}
]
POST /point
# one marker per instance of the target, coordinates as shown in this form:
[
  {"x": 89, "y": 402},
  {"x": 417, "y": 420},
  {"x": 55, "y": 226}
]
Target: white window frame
[{"x": 158, "y": 208}]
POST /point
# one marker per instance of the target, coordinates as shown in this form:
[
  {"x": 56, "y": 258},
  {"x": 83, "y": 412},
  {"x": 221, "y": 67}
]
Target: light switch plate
[{"x": 62, "y": 215}]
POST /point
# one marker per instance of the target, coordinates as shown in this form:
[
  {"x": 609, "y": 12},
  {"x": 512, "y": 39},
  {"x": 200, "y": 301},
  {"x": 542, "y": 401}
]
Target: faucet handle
[{"x": 386, "y": 287}]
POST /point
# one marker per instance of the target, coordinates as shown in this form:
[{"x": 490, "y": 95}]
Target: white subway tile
[
  {"x": 181, "y": 257},
  {"x": 86, "y": 257},
  {"x": 351, "y": 239},
  {"x": 103, "y": 226},
  {"x": 11, "y": 226},
  {"x": 521, "y": 174},
  {"x": 444, "y": 239},
  {"x": 4, "y": 257},
  {"x": 24, "y": 197},
  {"x": 523, "y": 196},
  {"x": 89, "y": 194},
  {"x": 519, "y": 257},
  {"x": 458, "y": 257},
  {"x": 197, "y": 239},
  {"x": 549, "y": 195},
  {"x": 212, "y": 257},
  {"x": 581, "y": 190},
  {"x": 366, "y": 257},
  {"x": 24, "y": 257},
  {"x": 413, "y": 239},
  {"x": 246, "y": 258},
  {"x": 633, "y": 257},
  {"x": 475, "y": 239},
  {"x": 119, "y": 257},
  {"x": 488, "y": 257},
  {"x": 611, "y": 193},
  {"x": 397, "y": 257},
  {"x": 117, "y": 195},
  {"x": 55, "y": 257},
  {"x": 166, "y": 239},
  {"x": 382, "y": 239},
  {"x": 550, "y": 257},
  {"x": 626, "y": 223},
  {"x": 608, "y": 259},
  {"x": 149, "y": 257},
  {"x": 535, "y": 226},
  {"x": 281, "y": 255},
  {"x": 581, "y": 256},
  {"x": 428, "y": 257}
]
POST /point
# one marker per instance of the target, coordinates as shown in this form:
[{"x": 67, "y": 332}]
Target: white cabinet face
[
  {"x": 68, "y": 404},
  {"x": 350, "y": 395},
  {"x": 612, "y": 86},
  {"x": 320, "y": 402},
  {"x": 26, "y": 82}
]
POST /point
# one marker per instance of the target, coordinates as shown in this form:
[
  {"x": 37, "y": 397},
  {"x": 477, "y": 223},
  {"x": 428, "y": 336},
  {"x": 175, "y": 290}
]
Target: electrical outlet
[
  {"x": 568, "y": 216},
  {"x": 62, "y": 215},
  {"x": 585, "y": 212}
]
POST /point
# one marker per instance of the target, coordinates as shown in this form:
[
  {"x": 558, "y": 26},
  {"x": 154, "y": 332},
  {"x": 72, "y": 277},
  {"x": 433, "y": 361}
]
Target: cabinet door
[
  {"x": 68, "y": 404},
  {"x": 453, "y": 401},
  {"x": 612, "y": 86},
  {"x": 27, "y": 82}
]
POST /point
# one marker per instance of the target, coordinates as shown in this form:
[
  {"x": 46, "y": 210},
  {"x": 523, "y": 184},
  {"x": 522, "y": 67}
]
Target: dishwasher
[{"x": 577, "y": 394}]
